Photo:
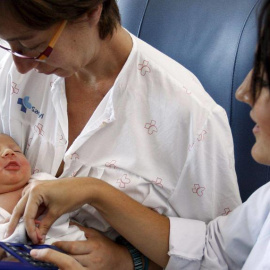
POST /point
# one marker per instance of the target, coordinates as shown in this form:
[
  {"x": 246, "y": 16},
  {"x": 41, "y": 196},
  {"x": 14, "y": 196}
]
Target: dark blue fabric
[{"x": 216, "y": 40}]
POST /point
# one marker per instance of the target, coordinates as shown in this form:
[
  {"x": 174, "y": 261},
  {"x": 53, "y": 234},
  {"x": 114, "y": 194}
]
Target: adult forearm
[{"x": 147, "y": 230}]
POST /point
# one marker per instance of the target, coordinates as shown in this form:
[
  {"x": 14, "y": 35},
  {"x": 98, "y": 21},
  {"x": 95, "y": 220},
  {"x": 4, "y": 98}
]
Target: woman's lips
[
  {"x": 12, "y": 166},
  {"x": 256, "y": 129}
]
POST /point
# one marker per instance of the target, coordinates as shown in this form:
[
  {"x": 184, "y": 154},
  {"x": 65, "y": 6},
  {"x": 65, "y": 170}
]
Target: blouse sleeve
[
  {"x": 227, "y": 242},
  {"x": 207, "y": 187},
  {"x": 187, "y": 240}
]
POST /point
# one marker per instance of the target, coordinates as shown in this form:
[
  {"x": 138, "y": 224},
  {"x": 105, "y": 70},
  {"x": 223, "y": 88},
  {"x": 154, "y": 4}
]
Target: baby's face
[{"x": 15, "y": 169}]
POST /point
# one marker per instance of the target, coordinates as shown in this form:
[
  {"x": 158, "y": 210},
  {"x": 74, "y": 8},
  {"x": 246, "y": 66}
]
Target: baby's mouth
[{"x": 12, "y": 166}]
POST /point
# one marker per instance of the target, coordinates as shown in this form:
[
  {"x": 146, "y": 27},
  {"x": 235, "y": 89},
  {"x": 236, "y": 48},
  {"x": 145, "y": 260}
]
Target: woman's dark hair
[
  {"x": 262, "y": 56},
  {"x": 41, "y": 14}
]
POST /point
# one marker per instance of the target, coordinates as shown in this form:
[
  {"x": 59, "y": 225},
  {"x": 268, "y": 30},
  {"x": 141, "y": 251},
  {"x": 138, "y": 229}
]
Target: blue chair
[{"x": 216, "y": 40}]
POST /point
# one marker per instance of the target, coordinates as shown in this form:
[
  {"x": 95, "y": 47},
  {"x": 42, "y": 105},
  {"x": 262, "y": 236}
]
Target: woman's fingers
[
  {"x": 74, "y": 247},
  {"x": 49, "y": 199},
  {"x": 31, "y": 184},
  {"x": 16, "y": 215},
  {"x": 97, "y": 252},
  {"x": 28, "y": 207},
  {"x": 34, "y": 202},
  {"x": 63, "y": 261},
  {"x": 41, "y": 229}
]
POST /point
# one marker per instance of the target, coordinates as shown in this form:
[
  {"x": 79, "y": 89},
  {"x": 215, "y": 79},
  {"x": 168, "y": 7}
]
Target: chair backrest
[{"x": 216, "y": 40}]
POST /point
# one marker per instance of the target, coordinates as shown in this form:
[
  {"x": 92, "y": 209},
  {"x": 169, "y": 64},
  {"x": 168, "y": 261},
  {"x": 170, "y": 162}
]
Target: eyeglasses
[{"x": 42, "y": 57}]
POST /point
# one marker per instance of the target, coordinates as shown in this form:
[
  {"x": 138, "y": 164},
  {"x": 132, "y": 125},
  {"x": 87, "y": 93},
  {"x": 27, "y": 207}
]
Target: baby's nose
[{"x": 8, "y": 152}]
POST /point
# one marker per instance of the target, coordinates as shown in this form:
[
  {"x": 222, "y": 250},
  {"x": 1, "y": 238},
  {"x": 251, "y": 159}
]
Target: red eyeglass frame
[{"x": 47, "y": 52}]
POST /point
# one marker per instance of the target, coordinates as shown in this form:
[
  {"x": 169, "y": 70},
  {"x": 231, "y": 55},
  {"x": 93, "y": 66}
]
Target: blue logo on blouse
[{"x": 25, "y": 104}]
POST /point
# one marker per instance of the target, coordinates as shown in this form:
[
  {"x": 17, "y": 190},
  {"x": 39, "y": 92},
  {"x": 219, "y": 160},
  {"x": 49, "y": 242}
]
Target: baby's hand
[{"x": 39, "y": 236}]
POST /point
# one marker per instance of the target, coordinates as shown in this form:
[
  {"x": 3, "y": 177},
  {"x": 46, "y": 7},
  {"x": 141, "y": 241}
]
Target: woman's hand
[
  {"x": 52, "y": 199},
  {"x": 31, "y": 184},
  {"x": 97, "y": 252},
  {"x": 61, "y": 260},
  {"x": 129, "y": 218}
]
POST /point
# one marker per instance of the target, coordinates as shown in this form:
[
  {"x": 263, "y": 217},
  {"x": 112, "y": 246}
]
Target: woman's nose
[
  {"x": 24, "y": 65},
  {"x": 8, "y": 152},
  {"x": 243, "y": 93}
]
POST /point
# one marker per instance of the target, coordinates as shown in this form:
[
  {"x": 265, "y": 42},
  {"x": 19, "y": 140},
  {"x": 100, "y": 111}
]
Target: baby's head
[{"x": 15, "y": 169}]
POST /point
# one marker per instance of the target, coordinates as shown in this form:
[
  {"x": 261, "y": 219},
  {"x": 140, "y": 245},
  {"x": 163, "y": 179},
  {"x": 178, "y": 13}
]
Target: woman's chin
[{"x": 261, "y": 154}]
